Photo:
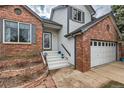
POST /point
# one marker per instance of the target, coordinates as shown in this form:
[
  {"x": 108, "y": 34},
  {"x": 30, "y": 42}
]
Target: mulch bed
[
  {"x": 19, "y": 66},
  {"x": 18, "y": 80}
]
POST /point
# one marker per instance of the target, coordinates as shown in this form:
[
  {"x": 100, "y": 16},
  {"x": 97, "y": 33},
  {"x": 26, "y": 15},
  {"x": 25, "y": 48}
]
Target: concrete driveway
[{"x": 96, "y": 77}]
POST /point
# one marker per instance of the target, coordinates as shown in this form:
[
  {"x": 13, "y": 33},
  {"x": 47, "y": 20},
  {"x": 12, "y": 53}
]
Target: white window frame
[
  {"x": 18, "y": 33},
  {"x": 50, "y": 40},
  {"x": 77, "y": 10}
]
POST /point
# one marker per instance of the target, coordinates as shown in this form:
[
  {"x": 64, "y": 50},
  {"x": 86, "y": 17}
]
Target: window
[
  {"x": 109, "y": 44},
  {"x": 106, "y": 43},
  {"x": 112, "y": 44},
  {"x": 102, "y": 43},
  {"x": 17, "y": 32},
  {"x": 11, "y": 31},
  {"x": 24, "y": 33},
  {"x": 99, "y": 43},
  {"x": 74, "y": 12},
  {"x": 77, "y": 15},
  {"x": 95, "y": 43}
]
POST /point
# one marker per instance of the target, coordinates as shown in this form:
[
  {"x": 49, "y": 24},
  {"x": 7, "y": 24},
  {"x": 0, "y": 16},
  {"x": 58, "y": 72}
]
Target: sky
[{"x": 45, "y": 10}]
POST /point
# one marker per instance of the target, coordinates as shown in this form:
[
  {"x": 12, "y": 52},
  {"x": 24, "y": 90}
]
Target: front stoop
[{"x": 55, "y": 60}]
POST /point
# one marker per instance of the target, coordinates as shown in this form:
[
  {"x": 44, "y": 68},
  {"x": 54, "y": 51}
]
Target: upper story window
[
  {"x": 17, "y": 32},
  {"x": 77, "y": 15}
]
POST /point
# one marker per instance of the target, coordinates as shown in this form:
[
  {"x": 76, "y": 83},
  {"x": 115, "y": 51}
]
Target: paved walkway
[
  {"x": 69, "y": 78},
  {"x": 47, "y": 83}
]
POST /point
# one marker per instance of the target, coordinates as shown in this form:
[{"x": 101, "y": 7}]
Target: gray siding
[{"x": 73, "y": 25}]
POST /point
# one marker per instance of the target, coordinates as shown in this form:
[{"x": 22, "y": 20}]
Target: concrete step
[
  {"x": 57, "y": 66},
  {"x": 57, "y": 62},
  {"x": 57, "y": 56},
  {"x": 50, "y": 52},
  {"x": 54, "y": 54},
  {"x": 55, "y": 59}
]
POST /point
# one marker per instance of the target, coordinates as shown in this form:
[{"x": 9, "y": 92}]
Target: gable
[
  {"x": 103, "y": 30},
  {"x": 8, "y": 12}
]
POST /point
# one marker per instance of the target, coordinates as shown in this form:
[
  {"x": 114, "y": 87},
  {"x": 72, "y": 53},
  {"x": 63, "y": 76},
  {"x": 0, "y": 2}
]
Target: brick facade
[
  {"x": 7, "y": 12},
  {"x": 121, "y": 49},
  {"x": 96, "y": 32}
]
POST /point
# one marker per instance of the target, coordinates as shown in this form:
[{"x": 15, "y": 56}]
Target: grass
[{"x": 113, "y": 84}]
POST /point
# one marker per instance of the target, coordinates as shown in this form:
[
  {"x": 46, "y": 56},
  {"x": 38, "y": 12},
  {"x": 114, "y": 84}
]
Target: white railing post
[{"x": 44, "y": 60}]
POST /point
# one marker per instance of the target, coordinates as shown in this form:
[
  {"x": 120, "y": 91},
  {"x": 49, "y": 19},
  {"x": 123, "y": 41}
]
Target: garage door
[{"x": 102, "y": 52}]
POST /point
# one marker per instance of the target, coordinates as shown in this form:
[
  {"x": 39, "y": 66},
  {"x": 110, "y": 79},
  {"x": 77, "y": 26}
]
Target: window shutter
[
  {"x": 33, "y": 34},
  {"x": 70, "y": 12},
  {"x": 1, "y": 30},
  {"x": 83, "y": 17}
]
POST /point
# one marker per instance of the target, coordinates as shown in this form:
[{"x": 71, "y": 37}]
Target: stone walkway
[
  {"x": 97, "y": 77},
  {"x": 47, "y": 83}
]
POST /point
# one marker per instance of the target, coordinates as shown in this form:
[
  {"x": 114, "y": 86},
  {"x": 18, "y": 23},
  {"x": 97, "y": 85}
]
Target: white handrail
[{"x": 44, "y": 61}]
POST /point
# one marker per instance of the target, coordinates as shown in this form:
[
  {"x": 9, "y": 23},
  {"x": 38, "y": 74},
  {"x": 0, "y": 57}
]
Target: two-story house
[
  {"x": 71, "y": 37},
  {"x": 82, "y": 41}
]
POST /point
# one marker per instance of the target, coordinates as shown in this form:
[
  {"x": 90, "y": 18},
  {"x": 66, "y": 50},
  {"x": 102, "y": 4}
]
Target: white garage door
[{"x": 102, "y": 52}]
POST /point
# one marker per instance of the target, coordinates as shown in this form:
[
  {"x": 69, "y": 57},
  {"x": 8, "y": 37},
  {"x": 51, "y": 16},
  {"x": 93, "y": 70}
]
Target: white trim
[
  {"x": 3, "y": 30},
  {"x": 30, "y": 32},
  {"x": 18, "y": 33},
  {"x": 50, "y": 40}
]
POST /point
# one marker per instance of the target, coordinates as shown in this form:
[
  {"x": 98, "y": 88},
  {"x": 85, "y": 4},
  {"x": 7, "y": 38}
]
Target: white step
[
  {"x": 57, "y": 66},
  {"x": 54, "y": 54},
  {"x": 57, "y": 62},
  {"x": 50, "y": 52},
  {"x": 57, "y": 56},
  {"x": 55, "y": 59}
]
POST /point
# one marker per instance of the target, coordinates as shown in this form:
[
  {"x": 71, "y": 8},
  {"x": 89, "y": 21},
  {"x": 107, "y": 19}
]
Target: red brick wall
[
  {"x": 7, "y": 12},
  {"x": 121, "y": 49},
  {"x": 97, "y": 32}
]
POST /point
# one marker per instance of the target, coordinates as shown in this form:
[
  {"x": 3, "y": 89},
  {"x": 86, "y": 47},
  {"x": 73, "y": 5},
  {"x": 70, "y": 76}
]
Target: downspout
[
  {"x": 42, "y": 36},
  {"x": 68, "y": 13},
  {"x": 75, "y": 51}
]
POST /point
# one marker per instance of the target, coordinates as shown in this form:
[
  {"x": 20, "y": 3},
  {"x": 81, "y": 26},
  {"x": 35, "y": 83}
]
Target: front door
[{"x": 47, "y": 41}]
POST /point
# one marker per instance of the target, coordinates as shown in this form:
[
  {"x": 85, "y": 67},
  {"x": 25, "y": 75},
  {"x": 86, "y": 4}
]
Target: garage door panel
[{"x": 102, "y": 52}]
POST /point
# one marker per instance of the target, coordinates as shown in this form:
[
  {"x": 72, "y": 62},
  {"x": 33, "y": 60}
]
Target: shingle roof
[
  {"x": 51, "y": 22},
  {"x": 41, "y": 19}
]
